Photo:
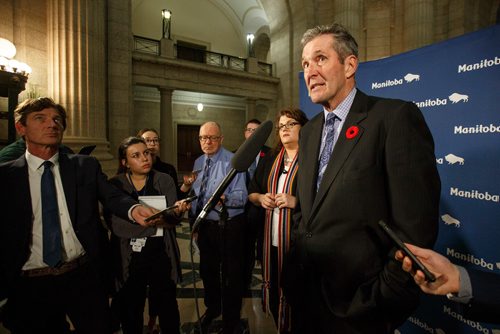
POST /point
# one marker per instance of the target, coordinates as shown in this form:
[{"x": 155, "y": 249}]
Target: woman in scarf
[{"x": 273, "y": 188}]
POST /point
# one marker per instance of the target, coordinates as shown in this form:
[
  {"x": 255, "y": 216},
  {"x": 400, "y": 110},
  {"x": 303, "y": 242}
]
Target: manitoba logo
[
  {"x": 467, "y": 257},
  {"x": 452, "y": 159},
  {"x": 456, "y": 97},
  {"x": 474, "y": 194},
  {"x": 449, "y": 220},
  {"x": 484, "y": 63},
  {"x": 410, "y": 77}
]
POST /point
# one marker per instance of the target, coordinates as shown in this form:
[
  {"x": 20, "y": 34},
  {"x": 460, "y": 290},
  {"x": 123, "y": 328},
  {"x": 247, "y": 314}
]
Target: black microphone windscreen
[{"x": 248, "y": 151}]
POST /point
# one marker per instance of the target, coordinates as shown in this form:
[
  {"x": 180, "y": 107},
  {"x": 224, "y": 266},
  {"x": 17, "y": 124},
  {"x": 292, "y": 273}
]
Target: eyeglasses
[
  {"x": 152, "y": 141},
  {"x": 207, "y": 138},
  {"x": 250, "y": 129},
  {"x": 287, "y": 126}
]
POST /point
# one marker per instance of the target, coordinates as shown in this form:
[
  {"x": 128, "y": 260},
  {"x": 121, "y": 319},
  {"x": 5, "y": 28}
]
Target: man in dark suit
[
  {"x": 477, "y": 291},
  {"x": 361, "y": 160},
  {"x": 254, "y": 230},
  {"x": 53, "y": 249}
]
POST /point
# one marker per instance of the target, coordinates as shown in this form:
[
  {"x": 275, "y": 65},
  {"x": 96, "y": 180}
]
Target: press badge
[{"x": 137, "y": 244}]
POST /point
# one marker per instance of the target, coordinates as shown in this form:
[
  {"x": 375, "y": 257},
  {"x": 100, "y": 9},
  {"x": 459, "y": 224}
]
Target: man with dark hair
[
  {"x": 362, "y": 159},
  {"x": 53, "y": 245},
  {"x": 152, "y": 139},
  {"x": 254, "y": 215}
]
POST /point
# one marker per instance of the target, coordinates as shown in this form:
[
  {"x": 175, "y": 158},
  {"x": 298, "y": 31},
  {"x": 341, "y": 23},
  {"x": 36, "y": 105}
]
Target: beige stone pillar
[
  {"x": 77, "y": 70},
  {"x": 167, "y": 48},
  {"x": 252, "y": 65},
  {"x": 251, "y": 106},
  {"x": 120, "y": 90},
  {"x": 418, "y": 23},
  {"x": 349, "y": 13},
  {"x": 167, "y": 142}
]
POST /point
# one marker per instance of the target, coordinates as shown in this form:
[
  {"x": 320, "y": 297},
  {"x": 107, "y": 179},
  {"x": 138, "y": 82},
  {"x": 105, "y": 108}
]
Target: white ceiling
[{"x": 246, "y": 16}]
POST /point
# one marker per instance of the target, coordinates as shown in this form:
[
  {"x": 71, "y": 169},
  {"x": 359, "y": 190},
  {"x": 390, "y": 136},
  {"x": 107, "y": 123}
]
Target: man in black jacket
[{"x": 53, "y": 262}]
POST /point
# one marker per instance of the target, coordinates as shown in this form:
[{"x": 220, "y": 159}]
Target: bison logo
[
  {"x": 449, "y": 220},
  {"x": 455, "y": 98},
  {"x": 453, "y": 159},
  {"x": 412, "y": 77}
]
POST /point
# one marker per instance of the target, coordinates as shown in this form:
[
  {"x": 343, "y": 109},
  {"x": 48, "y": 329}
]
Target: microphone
[{"x": 240, "y": 162}]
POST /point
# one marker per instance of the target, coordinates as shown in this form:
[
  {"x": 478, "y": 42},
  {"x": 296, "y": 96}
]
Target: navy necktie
[
  {"x": 327, "y": 147},
  {"x": 203, "y": 187},
  {"x": 50, "y": 218}
]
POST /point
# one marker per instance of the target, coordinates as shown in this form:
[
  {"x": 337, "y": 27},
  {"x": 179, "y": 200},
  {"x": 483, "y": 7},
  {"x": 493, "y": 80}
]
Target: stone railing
[{"x": 151, "y": 46}]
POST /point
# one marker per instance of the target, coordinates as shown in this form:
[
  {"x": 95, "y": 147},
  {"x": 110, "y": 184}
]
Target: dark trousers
[
  {"x": 222, "y": 254},
  {"x": 40, "y": 304},
  {"x": 274, "y": 296},
  {"x": 150, "y": 267}
]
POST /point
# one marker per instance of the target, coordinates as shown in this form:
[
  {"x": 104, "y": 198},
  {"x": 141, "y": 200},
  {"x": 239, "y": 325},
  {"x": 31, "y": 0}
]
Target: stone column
[
  {"x": 77, "y": 70},
  {"x": 349, "y": 13},
  {"x": 418, "y": 23},
  {"x": 167, "y": 142},
  {"x": 167, "y": 48},
  {"x": 120, "y": 89},
  {"x": 250, "y": 112}
]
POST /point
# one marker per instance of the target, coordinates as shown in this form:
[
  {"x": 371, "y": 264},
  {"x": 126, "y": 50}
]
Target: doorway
[{"x": 188, "y": 147}]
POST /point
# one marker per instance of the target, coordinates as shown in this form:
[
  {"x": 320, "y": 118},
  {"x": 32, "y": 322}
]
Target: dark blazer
[
  {"x": 123, "y": 231},
  {"x": 84, "y": 185},
  {"x": 343, "y": 262},
  {"x": 485, "y": 304},
  {"x": 256, "y": 214}
]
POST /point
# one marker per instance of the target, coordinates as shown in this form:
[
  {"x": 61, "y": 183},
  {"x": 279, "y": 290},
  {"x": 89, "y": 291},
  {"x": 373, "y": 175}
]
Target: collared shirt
[
  {"x": 464, "y": 294},
  {"x": 71, "y": 245},
  {"x": 235, "y": 194},
  {"x": 341, "y": 112}
]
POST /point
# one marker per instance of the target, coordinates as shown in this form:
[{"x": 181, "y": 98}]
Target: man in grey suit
[
  {"x": 362, "y": 159},
  {"x": 54, "y": 249}
]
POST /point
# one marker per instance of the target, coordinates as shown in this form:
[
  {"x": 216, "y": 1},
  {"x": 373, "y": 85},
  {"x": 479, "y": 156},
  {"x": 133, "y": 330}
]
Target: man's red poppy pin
[
  {"x": 352, "y": 132},
  {"x": 262, "y": 154}
]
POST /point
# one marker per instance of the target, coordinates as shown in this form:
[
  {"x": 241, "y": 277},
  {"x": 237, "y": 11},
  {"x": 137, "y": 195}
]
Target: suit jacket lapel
[
  {"x": 342, "y": 148},
  {"x": 24, "y": 194},
  {"x": 309, "y": 152},
  {"x": 68, "y": 178}
]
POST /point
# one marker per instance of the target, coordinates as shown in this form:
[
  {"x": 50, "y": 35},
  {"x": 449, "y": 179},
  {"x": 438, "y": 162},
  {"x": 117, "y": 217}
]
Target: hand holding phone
[
  {"x": 161, "y": 212},
  {"x": 417, "y": 264}
]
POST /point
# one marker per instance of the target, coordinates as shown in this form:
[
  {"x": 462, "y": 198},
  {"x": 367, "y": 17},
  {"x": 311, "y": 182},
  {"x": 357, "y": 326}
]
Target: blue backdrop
[{"x": 456, "y": 84}]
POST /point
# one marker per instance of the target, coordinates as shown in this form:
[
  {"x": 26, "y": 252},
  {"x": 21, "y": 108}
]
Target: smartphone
[
  {"x": 159, "y": 213},
  {"x": 416, "y": 262}
]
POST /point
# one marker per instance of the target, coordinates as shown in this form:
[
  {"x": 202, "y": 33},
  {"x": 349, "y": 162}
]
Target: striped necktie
[
  {"x": 203, "y": 187},
  {"x": 327, "y": 147}
]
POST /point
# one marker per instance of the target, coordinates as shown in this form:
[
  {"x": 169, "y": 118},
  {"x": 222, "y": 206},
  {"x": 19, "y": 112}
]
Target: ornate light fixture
[
  {"x": 166, "y": 20},
  {"x": 13, "y": 77},
  {"x": 250, "y": 38},
  {"x": 7, "y": 61},
  {"x": 200, "y": 105}
]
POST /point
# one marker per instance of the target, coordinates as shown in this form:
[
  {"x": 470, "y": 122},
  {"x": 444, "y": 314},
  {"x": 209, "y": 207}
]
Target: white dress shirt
[{"x": 72, "y": 248}]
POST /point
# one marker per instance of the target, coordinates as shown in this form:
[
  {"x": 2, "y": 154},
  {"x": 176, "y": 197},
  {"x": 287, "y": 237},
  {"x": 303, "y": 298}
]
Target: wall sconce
[
  {"x": 7, "y": 63},
  {"x": 166, "y": 20},
  {"x": 13, "y": 77},
  {"x": 250, "y": 38}
]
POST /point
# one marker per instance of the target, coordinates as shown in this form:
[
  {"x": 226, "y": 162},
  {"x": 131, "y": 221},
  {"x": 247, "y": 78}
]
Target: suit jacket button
[{"x": 309, "y": 235}]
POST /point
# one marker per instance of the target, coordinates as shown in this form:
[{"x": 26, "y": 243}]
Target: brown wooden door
[{"x": 188, "y": 147}]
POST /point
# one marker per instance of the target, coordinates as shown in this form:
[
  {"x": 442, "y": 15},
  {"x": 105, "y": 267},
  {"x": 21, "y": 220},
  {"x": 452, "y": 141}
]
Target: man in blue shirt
[{"x": 221, "y": 243}]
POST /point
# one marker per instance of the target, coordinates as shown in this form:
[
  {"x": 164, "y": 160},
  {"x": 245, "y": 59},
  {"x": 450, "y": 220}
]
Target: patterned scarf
[{"x": 284, "y": 227}]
